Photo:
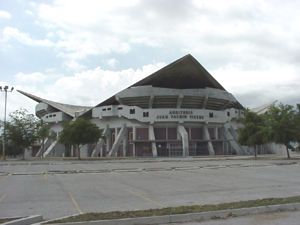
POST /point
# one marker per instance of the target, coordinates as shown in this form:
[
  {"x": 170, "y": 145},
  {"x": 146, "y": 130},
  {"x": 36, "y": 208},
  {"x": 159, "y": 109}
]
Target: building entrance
[{"x": 165, "y": 149}]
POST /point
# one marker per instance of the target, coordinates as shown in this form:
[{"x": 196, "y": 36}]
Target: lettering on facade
[
  {"x": 180, "y": 114},
  {"x": 162, "y": 117}
]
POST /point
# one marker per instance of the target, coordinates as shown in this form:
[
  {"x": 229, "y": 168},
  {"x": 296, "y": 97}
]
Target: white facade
[{"x": 181, "y": 110}]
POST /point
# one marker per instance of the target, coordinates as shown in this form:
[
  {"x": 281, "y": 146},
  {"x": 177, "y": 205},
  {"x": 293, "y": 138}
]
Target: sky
[{"x": 84, "y": 51}]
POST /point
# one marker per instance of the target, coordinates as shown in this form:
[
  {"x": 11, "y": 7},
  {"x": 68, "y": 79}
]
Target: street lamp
[{"x": 5, "y": 89}]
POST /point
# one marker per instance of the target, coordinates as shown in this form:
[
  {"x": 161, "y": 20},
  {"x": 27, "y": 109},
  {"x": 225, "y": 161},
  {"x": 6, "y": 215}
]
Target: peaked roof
[
  {"x": 184, "y": 73},
  {"x": 263, "y": 108},
  {"x": 66, "y": 108}
]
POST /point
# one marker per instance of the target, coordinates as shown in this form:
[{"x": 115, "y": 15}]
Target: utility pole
[{"x": 5, "y": 89}]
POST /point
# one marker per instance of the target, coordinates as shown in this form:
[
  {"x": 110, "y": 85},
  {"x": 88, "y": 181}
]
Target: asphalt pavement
[{"x": 59, "y": 188}]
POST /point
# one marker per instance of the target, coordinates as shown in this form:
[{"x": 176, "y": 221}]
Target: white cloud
[
  {"x": 88, "y": 87},
  {"x": 9, "y": 33},
  {"x": 255, "y": 28},
  {"x": 112, "y": 62},
  {"x": 32, "y": 78},
  {"x": 5, "y": 15},
  {"x": 257, "y": 87},
  {"x": 251, "y": 47},
  {"x": 74, "y": 65}
]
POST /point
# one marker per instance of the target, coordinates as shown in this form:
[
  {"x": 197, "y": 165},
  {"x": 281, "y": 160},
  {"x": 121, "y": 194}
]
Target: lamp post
[{"x": 5, "y": 89}]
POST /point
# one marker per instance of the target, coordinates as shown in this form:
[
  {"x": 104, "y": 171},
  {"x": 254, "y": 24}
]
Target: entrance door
[
  {"x": 162, "y": 149},
  {"x": 175, "y": 149}
]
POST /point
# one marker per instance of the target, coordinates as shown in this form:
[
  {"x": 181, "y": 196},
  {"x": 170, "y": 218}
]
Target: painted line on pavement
[
  {"x": 140, "y": 195},
  {"x": 75, "y": 203},
  {"x": 45, "y": 176}
]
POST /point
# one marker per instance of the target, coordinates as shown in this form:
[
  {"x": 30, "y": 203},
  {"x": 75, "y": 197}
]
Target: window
[
  {"x": 108, "y": 109},
  {"x": 228, "y": 113},
  {"x": 142, "y": 134},
  {"x": 54, "y": 115},
  {"x": 211, "y": 115},
  {"x": 196, "y": 133},
  {"x": 160, "y": 133},
  {"x": 132, "y": 111},
  {"x": 119, "y": 108},
  {"x": 103, "y": 109},
  {"x": 172, "y": 133},
  {"x": 145, "y": 114},
  {"x": 212, "y": 133}
]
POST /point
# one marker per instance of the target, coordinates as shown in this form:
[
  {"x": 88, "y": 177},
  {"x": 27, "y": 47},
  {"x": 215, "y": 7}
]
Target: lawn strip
[{"x": 178, "y": 210}]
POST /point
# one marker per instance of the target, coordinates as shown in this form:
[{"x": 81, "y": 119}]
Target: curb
[
  {"x": 25, "y": 221},
  {"x": 189, "y": 217}
]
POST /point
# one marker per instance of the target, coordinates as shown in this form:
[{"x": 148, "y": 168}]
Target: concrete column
[
  {"x": 101, "y": 150},
  {"x": 179, "y": 100},
  {"x": 205, "y": 101},
  {"x": 152, "y": 139},
  {"x": 118, "y": 140},
  {"x": 125, "y": 142},
  {"x": 207, "y": 137},
  {"x": 216, "y": 133},
  {"x": 151, "y": 101},
  {"x": 133, "y": 140},
  {"x": 185, "y": 140},
  {"x": 108, "y": 141},
  {"x": 98, "y": 148},
  {"x": 228, "y": 133}
]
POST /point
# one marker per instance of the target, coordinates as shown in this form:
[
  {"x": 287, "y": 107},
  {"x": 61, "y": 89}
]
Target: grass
[
  {"x": 177, "y": 210},
  {"x": 7, "y": 220}
]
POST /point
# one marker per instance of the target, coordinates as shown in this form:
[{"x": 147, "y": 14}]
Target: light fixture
[{"x": 5, "y": 89}]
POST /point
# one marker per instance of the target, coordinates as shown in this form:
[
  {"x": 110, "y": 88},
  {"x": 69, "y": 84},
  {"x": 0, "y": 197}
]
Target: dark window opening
[
  {"x": 103, "y": 109},
  {"x": 108, "y": 108},
  {"x": 119, "y": 108},
  {"x": 172, "y": 133},
  {"x": 145, "y": 114},
  {"x": 228, "y": 113},
  {"x": 211, "y": 115},
  {"x": 142, "y": 133},
  {"x": 132, "y": 111}
]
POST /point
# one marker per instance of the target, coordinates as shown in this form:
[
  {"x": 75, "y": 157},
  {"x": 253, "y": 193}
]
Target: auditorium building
[{"x": 178, "y": 111}]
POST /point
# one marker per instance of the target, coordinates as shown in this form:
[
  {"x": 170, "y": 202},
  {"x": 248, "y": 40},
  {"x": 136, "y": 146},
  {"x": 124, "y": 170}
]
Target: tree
[
  {"x": 21, "y": 130},
  {"x": 43, "y": 131},
  {"x": 255, "y": 132},
  {"x": 79, "y": 132},
  {"x": 284, "y": 122}
]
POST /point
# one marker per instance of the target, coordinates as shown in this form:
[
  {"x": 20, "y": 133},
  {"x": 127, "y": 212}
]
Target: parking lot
[{"x": 60, "y": 188}]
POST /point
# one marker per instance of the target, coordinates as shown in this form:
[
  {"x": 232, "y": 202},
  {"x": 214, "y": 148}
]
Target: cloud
[
  {"x": 251, "y": 47},
  {"x": 9, "y": 33},
  {"x": 255, "y": 87},
  {"x": 5, "y": 15},
  {"x": 112, "y": 62},
  {"x": 32, "y": 78},
  {"x": 88, "y": 87},
  {"x": 221, "y": 31}
]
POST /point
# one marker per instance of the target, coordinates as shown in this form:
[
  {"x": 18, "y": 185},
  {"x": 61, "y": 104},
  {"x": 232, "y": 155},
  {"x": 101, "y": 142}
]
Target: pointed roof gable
[
  {"x": 68, "y": 109},
  {"x": 184, "y": 73}
]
